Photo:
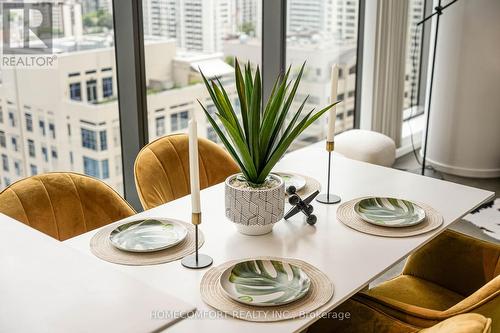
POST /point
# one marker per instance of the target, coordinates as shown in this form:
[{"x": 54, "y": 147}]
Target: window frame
[
  {"x": 33, "y": 169},
  {"x": 42, "y": 127},
  {"x": 29, "y": 121},
  {"x": 5, "y": 163},
  {"x": 91, "y": 163},
  {"x": 31, "y": 148},
  {"x": 91, "y": 86},
  {"x": 103, "y": 140},
  {"x": 160, "y": 125},
  {"x": 45, "y": 154},
  {"x": 131, "y": 86},
  {"x": 3, "y": 139},
  {"x": 89, "y": 139},
  {"x": 107, "y": 87},
  {"x": 14, "y": 143},
  {"x": 73, "y": 88}
]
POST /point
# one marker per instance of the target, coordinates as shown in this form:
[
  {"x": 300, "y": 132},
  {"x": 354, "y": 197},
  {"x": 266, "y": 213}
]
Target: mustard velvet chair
[
  {"x": 162, "y": 168},
  {"x": 63, "y": 205},
  {"x": 375, "y": 321},
  {"x": 451, "y": 275}
]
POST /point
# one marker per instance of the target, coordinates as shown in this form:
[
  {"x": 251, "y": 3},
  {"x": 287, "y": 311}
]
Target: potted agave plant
[{"x": 257, "y": 138}]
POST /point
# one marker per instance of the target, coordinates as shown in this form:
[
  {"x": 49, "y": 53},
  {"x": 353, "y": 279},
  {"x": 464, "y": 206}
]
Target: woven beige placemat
[
  {"x": 347, "y": 215},
  {"x": 101, "y": 246},
  {"x": 320, "y": 292},
  {"x": 311, "y": 184}
]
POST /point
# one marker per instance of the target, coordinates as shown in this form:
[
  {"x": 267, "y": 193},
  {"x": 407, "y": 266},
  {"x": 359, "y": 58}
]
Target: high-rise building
[
  {"x": 245, "y": 14},
  {"x": 310, "y": 16},
  {"x": 69, "y": 16},
  {"x": 315, "y": 84},
  {"x": 345, "y": 13},
  {"x": 72, "y": 124},
  {"x": 204, "y": 24},
  {"x": 413, "y": 52},
  {"x": 160, "y": 18},
  {"x": 197, "y": 25},
  {"x": 338, "y": 18}
]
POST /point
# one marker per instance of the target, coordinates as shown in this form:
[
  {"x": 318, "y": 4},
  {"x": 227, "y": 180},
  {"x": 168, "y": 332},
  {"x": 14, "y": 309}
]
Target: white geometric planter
[{"x": 255, "y": 210}]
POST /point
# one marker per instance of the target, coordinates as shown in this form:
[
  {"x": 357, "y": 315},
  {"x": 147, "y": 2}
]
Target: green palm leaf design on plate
[
  {"x": 389, "y": 212},
  {"x": 147, "y": 235},
  {"x": 268, "y": 282}
]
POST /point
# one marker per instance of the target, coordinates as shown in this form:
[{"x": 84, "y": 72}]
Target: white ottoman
[{"x": 367, "y": 146}]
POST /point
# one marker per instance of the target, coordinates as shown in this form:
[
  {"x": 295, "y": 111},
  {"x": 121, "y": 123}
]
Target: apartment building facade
[
  {"x": 321, "y": 55},
  {"x": 67, "y": 118},
  {"x": 197, "y": 25}
]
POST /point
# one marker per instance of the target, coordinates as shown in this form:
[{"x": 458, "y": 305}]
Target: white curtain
[{"x": 389, "y": 69}]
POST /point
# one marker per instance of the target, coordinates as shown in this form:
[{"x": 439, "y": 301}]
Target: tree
[
  {"x": 247, "y": 28},
  {"x": 230, "y": 60},
  {"x": 89, "y": 20},
  {"x": 98, "y": 19},
  {"x": 106, "y": 20}
]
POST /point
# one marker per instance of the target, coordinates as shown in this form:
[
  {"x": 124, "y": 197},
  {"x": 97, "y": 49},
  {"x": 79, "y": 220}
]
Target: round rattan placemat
[
  {"x": 311, "y": 184},
  {"x": 101, "y": 246},
  {"x": 347, "y": 215},
  {"x": 320, "y": 292}
]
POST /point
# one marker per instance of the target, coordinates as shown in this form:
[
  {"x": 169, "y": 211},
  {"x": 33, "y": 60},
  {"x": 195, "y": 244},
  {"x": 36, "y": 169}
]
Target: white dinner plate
[
  {"x": 265, "y": 282},
  {"x": 389, "y": 212},
  {"x": 148, "y": 235}
]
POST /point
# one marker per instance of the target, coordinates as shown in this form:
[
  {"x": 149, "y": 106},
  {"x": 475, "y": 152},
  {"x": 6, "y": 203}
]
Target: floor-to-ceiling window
[
  {"x": 413, "y": 94},
  {"x": 62, "y": 117},
  {"x": 324, "y": 33},
  {"x": 185, "y": 37},
  {"x": 66, "y": 117},
  {"x": 194, "y": 35}
]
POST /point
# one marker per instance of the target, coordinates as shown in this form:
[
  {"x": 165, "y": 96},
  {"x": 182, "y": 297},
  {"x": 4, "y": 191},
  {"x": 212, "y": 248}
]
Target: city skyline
[{"x": 73, "y": 123}]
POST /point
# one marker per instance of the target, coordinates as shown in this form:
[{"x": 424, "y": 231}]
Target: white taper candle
[
  {"x": 193, "y": 167},
  {"x": 332, "y": 116}
]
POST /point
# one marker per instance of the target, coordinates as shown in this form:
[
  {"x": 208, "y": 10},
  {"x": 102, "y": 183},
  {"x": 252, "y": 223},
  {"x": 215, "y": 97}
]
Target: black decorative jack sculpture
[{"x": 300, "y": 205}]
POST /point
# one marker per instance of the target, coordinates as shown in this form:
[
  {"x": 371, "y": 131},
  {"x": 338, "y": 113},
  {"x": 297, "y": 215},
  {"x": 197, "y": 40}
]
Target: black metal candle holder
[
  {"x": 196, "y": 260},
  {"x": 329, "y": 198}
]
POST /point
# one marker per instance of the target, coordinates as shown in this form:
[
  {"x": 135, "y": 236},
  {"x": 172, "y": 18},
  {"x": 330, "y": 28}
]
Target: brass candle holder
[
  {"x": 196, "y": 260},
  {"x": 329, "y": 198}
]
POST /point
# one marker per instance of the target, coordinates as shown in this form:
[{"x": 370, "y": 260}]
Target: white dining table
[
  {"x": 351, "y": 259},
  {"x": 47, "y": 287}
]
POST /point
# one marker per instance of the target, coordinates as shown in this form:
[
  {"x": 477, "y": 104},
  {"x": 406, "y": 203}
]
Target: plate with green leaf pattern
[
  {"x": 265, "y": 282},
  {"x": 389, "y": 212},
  {"x": 292, "y": 179},
  {"x": 148, "y": 235}
]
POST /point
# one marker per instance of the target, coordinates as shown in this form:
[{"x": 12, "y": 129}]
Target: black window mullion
[
  {"x": 359, "y": 64},
  {"x": 131, "y": 81},
  {"x": 273, "y": 43}
]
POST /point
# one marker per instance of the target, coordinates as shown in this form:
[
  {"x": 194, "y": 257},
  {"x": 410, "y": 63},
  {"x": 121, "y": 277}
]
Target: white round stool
[{"x": 367, "y": 146}]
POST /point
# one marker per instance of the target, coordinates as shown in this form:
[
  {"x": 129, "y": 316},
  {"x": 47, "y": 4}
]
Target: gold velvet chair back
[
  {"x": 162, "y": 168},
  {"x": 63, "y": 205}
]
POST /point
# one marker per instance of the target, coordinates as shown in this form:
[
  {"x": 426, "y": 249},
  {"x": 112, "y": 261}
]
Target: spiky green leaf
[{"x": 258, "y": 141}]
